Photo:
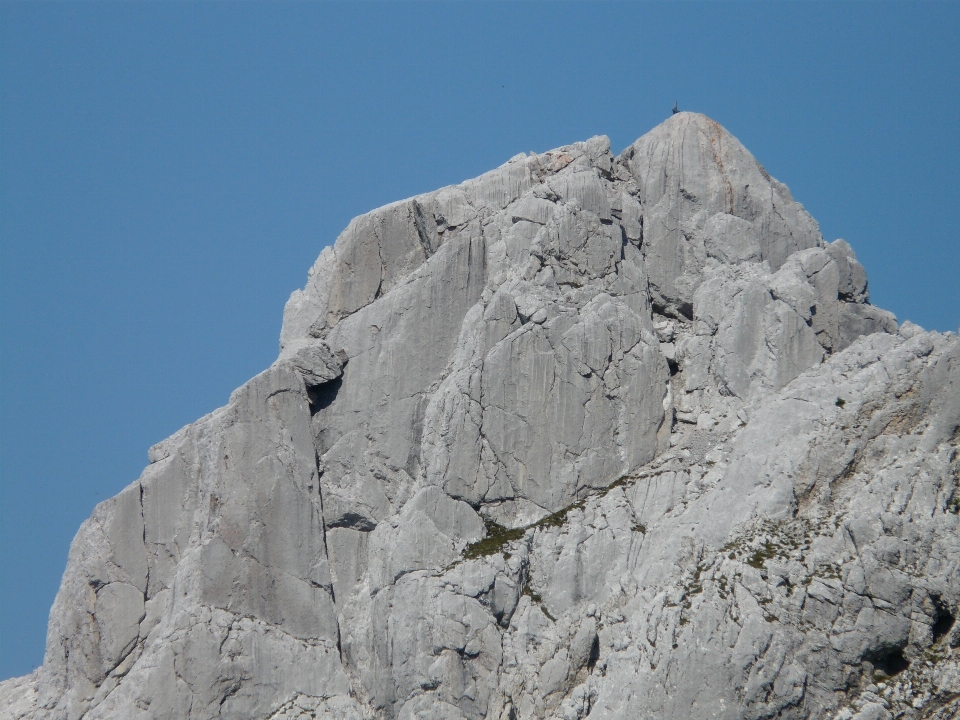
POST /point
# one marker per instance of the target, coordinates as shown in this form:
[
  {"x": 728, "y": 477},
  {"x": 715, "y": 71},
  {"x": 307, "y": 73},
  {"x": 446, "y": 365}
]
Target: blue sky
[{"x": 169, "y": 172}]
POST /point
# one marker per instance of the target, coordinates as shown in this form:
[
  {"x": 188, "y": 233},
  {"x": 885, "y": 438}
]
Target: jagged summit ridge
[
  {"x": 685, "y": 171},
  {"x": 732, "y": 481}
]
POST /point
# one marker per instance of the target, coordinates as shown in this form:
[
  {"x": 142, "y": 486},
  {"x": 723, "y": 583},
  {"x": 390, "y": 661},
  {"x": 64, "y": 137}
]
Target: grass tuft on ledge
[{"x": 497, "y": 537}]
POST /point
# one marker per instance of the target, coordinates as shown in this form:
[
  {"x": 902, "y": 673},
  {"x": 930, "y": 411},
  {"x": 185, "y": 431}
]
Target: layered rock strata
[{"x": 587, "y": 436}]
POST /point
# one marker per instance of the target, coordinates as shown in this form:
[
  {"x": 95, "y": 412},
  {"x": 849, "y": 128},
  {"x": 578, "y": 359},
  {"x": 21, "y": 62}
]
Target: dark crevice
[
  {"x": 353, "y": 521},
  {"x": 339, "y": 641},
  {"x": 231, "y": 690},
  {"x": 942, "y": 620},
  {"x": 426, "y": 238},
  {"x": 673, "y": 365},
  {"x": 682, "y": 311},
  {"x": 143, "y": 519},
  {"x": 322, "y": 396},
  {"x": 594, "y": 653},
  {"x": 888, "y": 661}
]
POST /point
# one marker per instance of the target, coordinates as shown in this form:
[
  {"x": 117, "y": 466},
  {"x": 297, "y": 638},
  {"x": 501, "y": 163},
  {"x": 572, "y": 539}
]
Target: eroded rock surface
[{"x": 587, "y": 436}]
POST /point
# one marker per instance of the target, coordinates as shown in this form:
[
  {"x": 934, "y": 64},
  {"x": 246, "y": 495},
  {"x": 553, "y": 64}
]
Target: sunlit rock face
[{"x": 587, "y": 436}]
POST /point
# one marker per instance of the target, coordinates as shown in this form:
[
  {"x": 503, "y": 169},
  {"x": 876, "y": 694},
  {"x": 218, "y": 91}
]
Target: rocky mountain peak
[
  {"x": 585, "y": 436},
  {"x": 706, "y": 197}
]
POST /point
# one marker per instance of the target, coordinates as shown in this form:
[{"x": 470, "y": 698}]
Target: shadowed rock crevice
[
  {"x": 943, "y": 619},
  {"x": 322, "y": 396},
  {"x": 887, "y": 662}
]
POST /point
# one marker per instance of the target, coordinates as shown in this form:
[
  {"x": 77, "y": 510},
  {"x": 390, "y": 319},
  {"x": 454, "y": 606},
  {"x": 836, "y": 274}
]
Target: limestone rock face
[
  {"x": 705, "y": 196},
  {"x": 587, "y": 436}
]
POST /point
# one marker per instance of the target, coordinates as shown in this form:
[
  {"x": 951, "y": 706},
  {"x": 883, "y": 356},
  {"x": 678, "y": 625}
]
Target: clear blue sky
[{"x": 169, "y": 172}]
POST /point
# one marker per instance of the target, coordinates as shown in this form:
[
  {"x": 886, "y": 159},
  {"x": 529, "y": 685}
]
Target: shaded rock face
[{"x": 587, "y": 436}]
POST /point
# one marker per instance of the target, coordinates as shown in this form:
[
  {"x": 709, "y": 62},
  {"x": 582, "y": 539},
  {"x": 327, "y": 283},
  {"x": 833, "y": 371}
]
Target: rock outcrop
[{"x": 587, "y": 436}]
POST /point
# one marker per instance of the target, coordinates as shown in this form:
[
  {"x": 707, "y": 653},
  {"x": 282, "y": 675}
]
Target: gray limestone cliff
[{"x": 587, "y": 436}]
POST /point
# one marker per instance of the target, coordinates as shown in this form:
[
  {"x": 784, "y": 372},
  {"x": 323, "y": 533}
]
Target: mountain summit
[{"x": 586, "y": 436}]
